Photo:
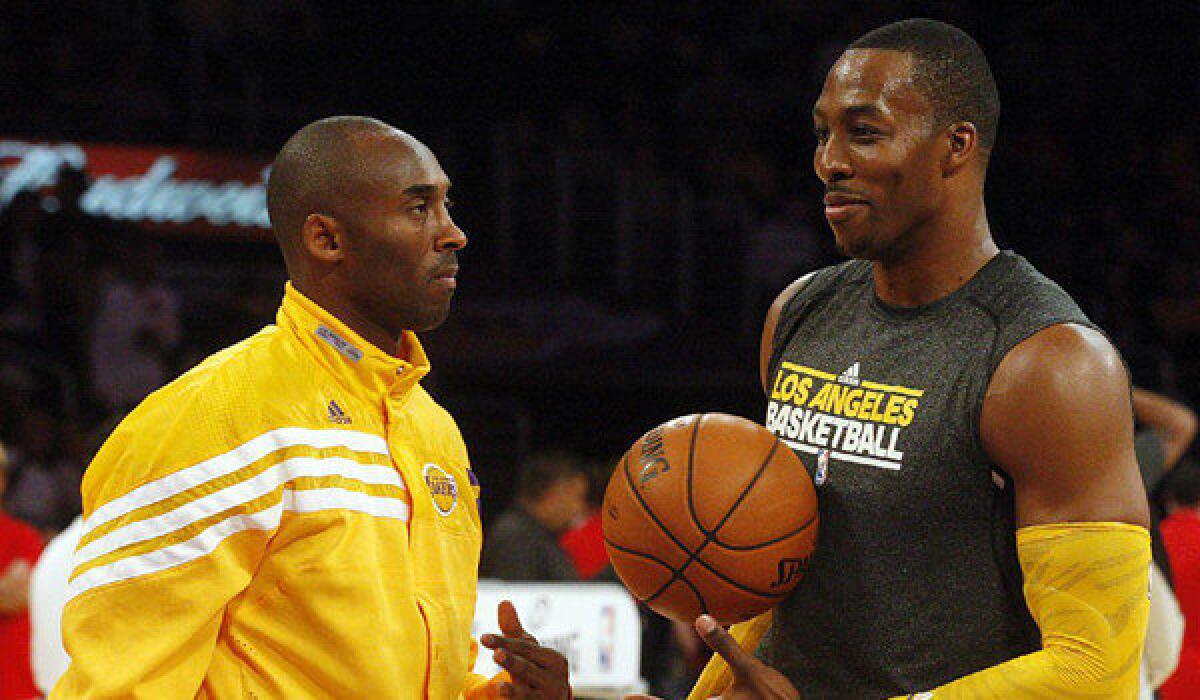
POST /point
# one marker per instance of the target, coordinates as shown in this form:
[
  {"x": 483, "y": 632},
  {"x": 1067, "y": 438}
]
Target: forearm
[{"x": 1086, "y": 585}]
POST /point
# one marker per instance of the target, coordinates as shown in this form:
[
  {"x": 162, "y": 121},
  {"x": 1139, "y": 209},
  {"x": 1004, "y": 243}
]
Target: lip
[
  {"x": 842, "y": 207},
  {"x": 445, "y": 278}
]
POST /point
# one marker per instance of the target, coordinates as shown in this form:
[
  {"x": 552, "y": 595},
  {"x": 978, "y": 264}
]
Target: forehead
[
  {"x": 393, "y": 164},
  {"x": 878, "y": 79}
]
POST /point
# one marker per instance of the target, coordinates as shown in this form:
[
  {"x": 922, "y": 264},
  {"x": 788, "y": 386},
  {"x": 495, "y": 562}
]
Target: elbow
[{"x": 1091, "y": 666}]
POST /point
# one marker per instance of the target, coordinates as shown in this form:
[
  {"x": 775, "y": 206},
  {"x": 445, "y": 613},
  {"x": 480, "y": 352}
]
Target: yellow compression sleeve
[
  {"x": 716, "y": 676},
  {"x": 1086, "y": 585}
]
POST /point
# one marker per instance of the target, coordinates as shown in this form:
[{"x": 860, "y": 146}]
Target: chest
[
  {"x": 396, "y": 500},
  {"x": 883, "y": 414}
]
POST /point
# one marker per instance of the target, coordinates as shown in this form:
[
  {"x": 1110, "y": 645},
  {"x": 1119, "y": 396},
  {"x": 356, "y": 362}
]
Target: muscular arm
[
  {"x": 1057, "y": 418},
  {"x": 1174, "y": 422}
]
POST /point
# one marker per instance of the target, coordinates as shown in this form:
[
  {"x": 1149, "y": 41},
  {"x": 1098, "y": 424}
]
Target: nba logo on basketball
[{"x": 822, "y": 467}]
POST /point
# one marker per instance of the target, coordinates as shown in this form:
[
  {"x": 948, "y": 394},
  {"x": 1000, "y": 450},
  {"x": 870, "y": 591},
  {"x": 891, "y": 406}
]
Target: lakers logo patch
[{"x": 442, "y": 488}]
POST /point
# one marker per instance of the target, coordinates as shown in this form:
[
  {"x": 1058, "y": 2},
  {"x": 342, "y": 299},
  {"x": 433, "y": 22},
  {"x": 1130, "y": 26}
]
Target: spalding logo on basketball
[{"x": 442, "y": 488}]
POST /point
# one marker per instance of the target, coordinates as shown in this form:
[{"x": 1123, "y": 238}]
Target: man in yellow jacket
[{"x": 296, "y": 517}]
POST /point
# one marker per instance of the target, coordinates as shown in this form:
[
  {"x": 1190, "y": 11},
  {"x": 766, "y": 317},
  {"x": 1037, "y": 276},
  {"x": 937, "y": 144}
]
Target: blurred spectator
[
  {"x": 136, "y": 330},
  {"x": 584, "y": 542},
  {"x": 47, "y": 597},
  {"x": 18, "y": 232},
  {"x": 1181, "y": 534},
  {"x": 43, "y": 482},
  {"x": 20, "y": 546},
  {"x": 522, "y": 544},
  {"x": 1165, "y": 431},
  {"x": 71, "y": 246}
]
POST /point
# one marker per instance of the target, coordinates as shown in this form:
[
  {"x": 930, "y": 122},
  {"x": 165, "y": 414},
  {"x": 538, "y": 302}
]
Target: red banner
[{"x": 170, "y": 190}]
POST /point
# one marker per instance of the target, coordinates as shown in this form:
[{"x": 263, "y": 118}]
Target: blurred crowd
[{"x": 657, "y": 119}]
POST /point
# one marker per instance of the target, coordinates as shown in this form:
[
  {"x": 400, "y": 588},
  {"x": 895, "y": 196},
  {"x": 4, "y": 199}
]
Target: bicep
[{"x": 1057, "y": 418}]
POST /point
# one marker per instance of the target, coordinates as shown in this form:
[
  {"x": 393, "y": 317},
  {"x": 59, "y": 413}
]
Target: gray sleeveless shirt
[{"x": 915, "y": 581}]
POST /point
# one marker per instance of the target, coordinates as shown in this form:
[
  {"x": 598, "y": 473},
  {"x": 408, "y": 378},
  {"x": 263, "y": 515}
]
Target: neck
[
  {"x": 350, "y": 314},
  {"x": 947, "y": 255}
]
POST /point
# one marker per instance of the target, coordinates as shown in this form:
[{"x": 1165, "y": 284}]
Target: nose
[
  {"x": 450, "y": 237},
  {"x": 831, "y": 162}
]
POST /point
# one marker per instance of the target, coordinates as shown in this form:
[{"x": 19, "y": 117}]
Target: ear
[
  {"x": 323, "y": 238},
  {"x": 963, "y": 150}
]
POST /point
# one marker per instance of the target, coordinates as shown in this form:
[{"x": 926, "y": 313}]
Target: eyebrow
[
  {"x": 858, "y": 110},
  {"x": 420, "y": 190}
]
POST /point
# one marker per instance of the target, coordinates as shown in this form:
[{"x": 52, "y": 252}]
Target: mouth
[
  {"x": 842, "y": 207},
  {"x": 445, "y": 278}
]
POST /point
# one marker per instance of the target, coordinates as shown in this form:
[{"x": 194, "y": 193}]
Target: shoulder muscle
[{"x": 1057, "y": 417}]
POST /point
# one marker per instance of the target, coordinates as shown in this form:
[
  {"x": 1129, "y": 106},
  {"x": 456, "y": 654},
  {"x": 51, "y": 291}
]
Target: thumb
[
  {"x": 720, "y": 641},
  {"x": 510, "y": 624}
]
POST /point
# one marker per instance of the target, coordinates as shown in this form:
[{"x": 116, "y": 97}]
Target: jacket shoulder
[{"x": 210, "y": 409}]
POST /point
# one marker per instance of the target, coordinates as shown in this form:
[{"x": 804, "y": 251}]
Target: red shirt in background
[
  {"x": 18, "y": 542},
  {"x": 585, "y": 545},
  {"x": 1181, "y": 535}
]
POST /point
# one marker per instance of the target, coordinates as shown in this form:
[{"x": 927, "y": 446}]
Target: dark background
[{"x": 683, "y": 127}]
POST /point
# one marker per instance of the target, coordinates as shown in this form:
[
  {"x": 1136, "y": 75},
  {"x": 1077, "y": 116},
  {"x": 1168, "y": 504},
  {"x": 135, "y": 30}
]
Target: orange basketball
[{"x": 710, "y": 513}]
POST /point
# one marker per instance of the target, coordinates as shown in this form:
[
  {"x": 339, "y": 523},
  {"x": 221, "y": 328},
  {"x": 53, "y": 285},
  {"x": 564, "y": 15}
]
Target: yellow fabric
[
  {"x": 293, "y": 518},
  {"x": 487, "y": 688},
  {"x": 716, "y": 676},
  {"x": 1087, "y": 587}
]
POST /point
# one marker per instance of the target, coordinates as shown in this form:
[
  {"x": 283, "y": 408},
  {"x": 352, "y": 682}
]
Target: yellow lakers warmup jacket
[{"x": 294, "y": 518}]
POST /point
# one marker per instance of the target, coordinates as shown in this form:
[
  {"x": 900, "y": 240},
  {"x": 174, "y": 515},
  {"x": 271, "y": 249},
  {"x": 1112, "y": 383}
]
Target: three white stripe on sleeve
[{"x": 208, "y": 540}]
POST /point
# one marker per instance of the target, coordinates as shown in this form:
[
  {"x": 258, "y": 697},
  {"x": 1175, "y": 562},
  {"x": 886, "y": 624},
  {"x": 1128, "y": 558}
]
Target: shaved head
[
  {"x": 361, "y": 212},
  {"x": 326, "y": 168}
]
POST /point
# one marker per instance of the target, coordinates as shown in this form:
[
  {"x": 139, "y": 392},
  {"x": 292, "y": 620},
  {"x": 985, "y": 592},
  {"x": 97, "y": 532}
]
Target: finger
[
  {"x": 527, "y": 648},
  {"x": 510, "y": 623},
  {"x": 509, "y": 690},
  {"x": 523, "y": 671},
  {"x": 717, "y": 639}
]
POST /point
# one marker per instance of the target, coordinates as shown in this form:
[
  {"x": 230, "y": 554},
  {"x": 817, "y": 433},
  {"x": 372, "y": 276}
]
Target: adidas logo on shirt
[
  {"x": 850, "y": 376},
  {"x": 337, "y": 415}
]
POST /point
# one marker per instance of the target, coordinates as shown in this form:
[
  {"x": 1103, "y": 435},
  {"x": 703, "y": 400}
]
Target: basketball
[{"x": 710, "y": 513}]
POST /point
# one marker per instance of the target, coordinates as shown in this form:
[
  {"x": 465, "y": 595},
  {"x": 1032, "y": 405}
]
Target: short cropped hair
[
  {"x": 949, "y": 69},
  {"x": 541, "y": 471}
]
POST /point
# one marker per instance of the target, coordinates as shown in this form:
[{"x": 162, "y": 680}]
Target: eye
[
  {"x": 821, "y": 134},
  {"x": 420, "y": 209},
  {"x": 864, "y": 131}
]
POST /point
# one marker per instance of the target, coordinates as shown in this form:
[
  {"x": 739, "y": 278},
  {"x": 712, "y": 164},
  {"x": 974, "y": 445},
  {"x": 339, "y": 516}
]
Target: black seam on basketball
[
  {"x": 636, "y": 553},
  {"x": 711, "y": 536},
  {"x": 671, "y": 536},
  {"x": 677, "y": 574},
  {"x": 746, "y": 547},
  {"x": 665, "y": 565},
  {"x": 653, "y": 516},
  {"x": 691, "y": 462},
  {"x": 762, "y": 467}
]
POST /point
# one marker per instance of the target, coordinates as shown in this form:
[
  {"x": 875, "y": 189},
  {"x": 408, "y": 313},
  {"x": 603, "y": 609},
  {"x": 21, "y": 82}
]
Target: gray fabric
[
  {"x": 1151, "y": 456},
  {"x": 519, "y": 548},
  {"x": 915, "y": 580}
]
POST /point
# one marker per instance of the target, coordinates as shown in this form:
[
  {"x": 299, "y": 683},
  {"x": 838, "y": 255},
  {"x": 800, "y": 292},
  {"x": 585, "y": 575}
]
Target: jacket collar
[{"x": 346, "y": 354}]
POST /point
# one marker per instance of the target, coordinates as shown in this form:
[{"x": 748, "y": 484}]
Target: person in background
[
  {"x": 136, "y": 330},
  {"x": 522, "y": 545},
  {"x": 47, "y": 596},
  {"x": 1180, "y": 493},
  {"x": 584, "y": 540},
  {"x": 20, "y": 546},
  {"x": 1166, "y": 429}
]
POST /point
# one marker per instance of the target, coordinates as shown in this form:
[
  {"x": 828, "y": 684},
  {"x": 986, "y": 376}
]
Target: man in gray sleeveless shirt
[{"x": 969, "y": 431}]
